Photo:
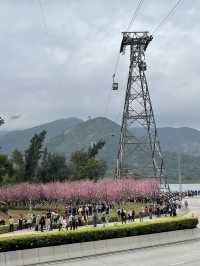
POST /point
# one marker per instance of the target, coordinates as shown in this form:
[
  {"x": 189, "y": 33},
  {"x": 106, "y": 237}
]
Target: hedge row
[{"x": 93, "y": 234}]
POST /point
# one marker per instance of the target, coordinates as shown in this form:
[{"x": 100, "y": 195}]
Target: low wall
[{"x": 70, "y": 251}]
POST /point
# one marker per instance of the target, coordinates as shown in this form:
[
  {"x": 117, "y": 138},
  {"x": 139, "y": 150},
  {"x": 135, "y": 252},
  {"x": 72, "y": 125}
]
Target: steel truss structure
[
  {"x": 1, "y": 121},
  {"x": 138, "y": 111}
]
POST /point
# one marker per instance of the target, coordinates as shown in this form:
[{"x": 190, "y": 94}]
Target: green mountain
[
  {"x": 86, "y": 133},
  {"x": 183, "y": 139},
  {"x": 20, "y": 139},
  {"x": 68, "y": 135}
]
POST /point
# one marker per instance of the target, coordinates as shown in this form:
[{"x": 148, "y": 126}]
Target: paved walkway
[
  {"x": 28, "y": 231},
  {"x": 194, "y": 207}
]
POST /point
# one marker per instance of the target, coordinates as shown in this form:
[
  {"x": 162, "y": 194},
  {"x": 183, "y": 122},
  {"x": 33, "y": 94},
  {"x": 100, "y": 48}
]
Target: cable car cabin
[
  {"x": 115, "y": 86},
  {"x": 142, "y": 66}
]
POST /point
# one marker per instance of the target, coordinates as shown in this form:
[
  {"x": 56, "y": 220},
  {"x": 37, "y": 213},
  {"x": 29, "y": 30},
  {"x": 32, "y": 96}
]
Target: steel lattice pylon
[{"x": 138, "y": 111}]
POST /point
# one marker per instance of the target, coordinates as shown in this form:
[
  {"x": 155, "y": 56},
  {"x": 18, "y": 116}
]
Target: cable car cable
[
  {"x": 140, "y": 2},
  {"x": 134, "y": 16},
  {"x": 43, "y": 16},
  {"x": 170, "y": 13},
  {"x": 116, "y": 65}
]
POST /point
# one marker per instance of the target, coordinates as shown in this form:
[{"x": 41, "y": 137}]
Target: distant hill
[
  {"x": 68, "y": 135},
  {"x": 183, "y": 139},
  {"x": 20, "y": 138},
  {"x": 86, "y": 133}
]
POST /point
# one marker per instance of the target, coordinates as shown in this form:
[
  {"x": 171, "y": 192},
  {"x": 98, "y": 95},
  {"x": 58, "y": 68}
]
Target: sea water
[{"x": 185, "y": 187}]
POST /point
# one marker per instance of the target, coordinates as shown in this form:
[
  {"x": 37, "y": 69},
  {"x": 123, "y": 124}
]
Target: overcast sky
[{"x": 57, "y": 60}]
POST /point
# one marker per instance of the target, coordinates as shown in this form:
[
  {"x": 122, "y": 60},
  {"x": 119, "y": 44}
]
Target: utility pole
[
  {"x": 179, "y": 173},
  {"x": 138, "y": 111}
]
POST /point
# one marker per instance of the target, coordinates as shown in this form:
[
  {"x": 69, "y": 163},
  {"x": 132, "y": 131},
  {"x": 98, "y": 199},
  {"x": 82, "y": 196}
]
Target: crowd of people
[
  {"x": 73, "y": 217},
  {"x": 70, "y": 219}
]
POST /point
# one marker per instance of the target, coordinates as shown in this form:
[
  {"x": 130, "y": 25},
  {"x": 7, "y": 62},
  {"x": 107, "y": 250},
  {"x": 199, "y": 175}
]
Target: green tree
[
  {"x": 93, "y": 169},
  {"x": 6, "y": 170},
  {"x": 84, "y": 164},
  {"x": 44, "y": 166},
  {"x": 57, "y": 170},
  {"x": 78, "y": 160},
  {"x": 93, "y": 151},
  {"x": 53, "y": 168},
  {"x": 1, "y": 123},
  {"x": 33, "y": 155},
  {"x": 18, "y": 163}
]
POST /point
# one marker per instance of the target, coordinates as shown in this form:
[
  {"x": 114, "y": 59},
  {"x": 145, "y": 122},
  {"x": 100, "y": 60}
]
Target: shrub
[
  {"x": 93, "y": 234},
  {"x": 4, "y": 208}
]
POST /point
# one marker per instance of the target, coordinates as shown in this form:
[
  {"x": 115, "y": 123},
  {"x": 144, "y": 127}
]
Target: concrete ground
[
  {"x": 185, "y": 254},
  {"x": 194, "y": 207}
]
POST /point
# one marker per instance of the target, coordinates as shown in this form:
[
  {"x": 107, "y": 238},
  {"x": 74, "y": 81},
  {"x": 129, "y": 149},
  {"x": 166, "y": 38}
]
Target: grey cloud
[
  {"x": 15, "y": 117},
  {"x": 66, "y": 69}
]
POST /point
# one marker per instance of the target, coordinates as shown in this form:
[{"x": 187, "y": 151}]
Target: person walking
[
  {"x": 80, "y": 218},
  {"x": 123, "y": 216},
  {"x": 174, "y": 211},
  {"x": 119, "y": 214},
  {"x": 75, "y": 225},
  {"x": 103, "y": 218},
  {"x": 70, "y": 221},
  {"x": 133, "y": 215},
  {"x": 42, "y": 223},
  {"x": 186, "y": 204},
  {"x": 146, "y": 211},
  {"x": 141, "y": 214},
  {"x": 95, "y": 216},
  {"x": 37, "y": 222},
  {"x": 150, "y": 213},
  {"x": 33, "y": 221},
  {"x": 20, "y": 222},
  {"x": 49, "y": 221},
  {"x": 66, "y": 222},
  {"x": 11, "y": 222},
  {"x": 60, "y": 222},
  {"x": 87, "y": 212}
]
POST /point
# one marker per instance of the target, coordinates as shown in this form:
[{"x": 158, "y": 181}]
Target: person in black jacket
[{"x": 42, "y": 223}]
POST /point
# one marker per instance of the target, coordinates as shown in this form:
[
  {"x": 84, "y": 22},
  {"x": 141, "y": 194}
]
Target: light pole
[{"x": 179, "y": 173}]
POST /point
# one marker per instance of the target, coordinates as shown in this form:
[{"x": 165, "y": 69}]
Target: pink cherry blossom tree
[{"x": 107, "y": 189}]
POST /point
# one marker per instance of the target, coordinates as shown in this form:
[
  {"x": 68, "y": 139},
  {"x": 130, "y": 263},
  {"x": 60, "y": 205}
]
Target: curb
[
  {"x": 42, "y": 256},
  {"x": 110, "y": 253}
]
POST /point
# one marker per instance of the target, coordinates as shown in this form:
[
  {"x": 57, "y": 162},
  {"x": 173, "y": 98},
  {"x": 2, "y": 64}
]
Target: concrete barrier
[
  {"x": 2, "y": 259},
  {"x": 100, "y": 247},
  {"x": 48, "y": 254},
  {"x": 30, "y": 256},
  {"x": 61, "y": 252},
  {"x": 13, "y": 258}
]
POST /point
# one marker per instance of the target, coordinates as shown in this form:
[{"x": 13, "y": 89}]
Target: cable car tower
[{"x": 138, "y": 112}]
